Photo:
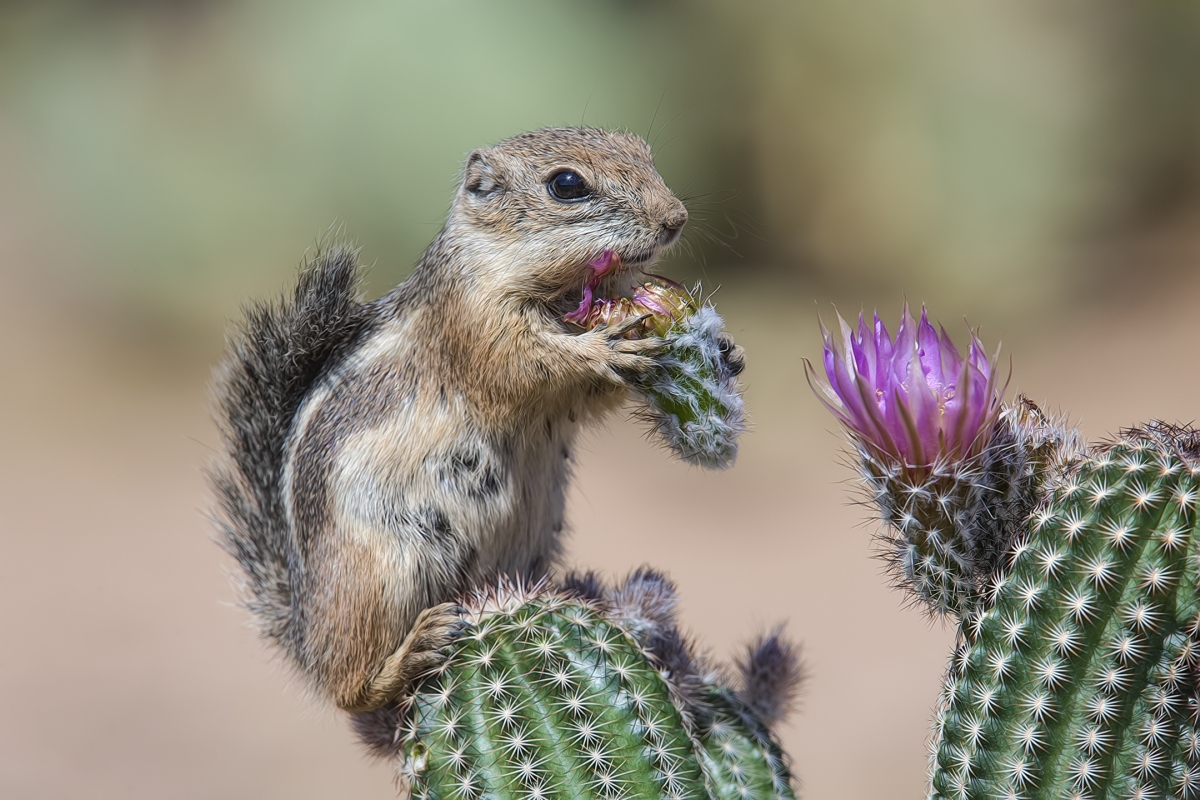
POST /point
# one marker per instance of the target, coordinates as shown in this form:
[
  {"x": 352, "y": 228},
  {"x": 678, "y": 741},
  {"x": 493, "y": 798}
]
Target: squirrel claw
[
  {"x": 651, "y": 346},
  {"x": 626, "y": 325},
  {"x": 421, "y": 653},
  {"x": 732, "y": 354}
]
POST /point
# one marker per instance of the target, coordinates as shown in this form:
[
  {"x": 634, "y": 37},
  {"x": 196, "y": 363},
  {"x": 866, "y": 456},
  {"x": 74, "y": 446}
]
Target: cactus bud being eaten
[
  {"x": 665, "y": 306},
  {"x": 692, "y": 400}
]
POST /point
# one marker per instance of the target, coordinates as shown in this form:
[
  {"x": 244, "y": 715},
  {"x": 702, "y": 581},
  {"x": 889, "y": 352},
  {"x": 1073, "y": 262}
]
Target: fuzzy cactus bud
[
  {"x": 692, "y": 400},
  {"x": 920, "y": 417},
  {"x": 665, "y": 305},
  {"x": 580, "y": 692}
]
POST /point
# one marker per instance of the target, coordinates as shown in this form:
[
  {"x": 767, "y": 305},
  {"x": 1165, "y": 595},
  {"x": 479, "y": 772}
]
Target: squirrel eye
[{"x": 568, "y": 187}]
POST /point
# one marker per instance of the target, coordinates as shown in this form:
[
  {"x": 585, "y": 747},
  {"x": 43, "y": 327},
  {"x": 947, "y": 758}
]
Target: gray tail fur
[{"x": 274, "y": 357}]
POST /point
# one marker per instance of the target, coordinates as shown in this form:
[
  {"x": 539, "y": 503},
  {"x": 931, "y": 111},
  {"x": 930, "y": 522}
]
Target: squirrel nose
[{"x": 673, "y": 223}]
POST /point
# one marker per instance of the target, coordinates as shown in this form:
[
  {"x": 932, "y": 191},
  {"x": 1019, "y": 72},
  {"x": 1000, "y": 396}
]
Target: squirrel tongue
[{"x": 606, "y": 263}]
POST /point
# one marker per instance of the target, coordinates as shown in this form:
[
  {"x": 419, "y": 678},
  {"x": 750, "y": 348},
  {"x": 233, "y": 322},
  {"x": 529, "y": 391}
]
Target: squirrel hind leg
[{"x": 419, "y": 654}]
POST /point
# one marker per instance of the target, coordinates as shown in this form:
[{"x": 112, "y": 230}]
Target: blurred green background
[
  {"x": 175, "y": 155},
  {"x": 1033, "y": 165}
]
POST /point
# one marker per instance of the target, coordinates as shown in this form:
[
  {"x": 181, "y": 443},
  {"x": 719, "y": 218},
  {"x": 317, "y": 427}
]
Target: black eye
[{"x": 568, "y": 187}]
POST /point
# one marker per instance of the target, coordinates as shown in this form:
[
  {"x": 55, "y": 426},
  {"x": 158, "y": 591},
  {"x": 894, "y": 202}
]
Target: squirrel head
[{"x": 539, "y": 207}]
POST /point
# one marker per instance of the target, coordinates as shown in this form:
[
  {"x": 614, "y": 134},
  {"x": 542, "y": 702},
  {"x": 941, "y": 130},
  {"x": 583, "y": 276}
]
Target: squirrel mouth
[{"x": 616, "y": 290}]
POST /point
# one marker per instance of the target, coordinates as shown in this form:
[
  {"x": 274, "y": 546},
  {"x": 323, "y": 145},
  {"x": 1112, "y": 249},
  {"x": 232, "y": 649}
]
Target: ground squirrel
[{"x": 388, "y": 455}]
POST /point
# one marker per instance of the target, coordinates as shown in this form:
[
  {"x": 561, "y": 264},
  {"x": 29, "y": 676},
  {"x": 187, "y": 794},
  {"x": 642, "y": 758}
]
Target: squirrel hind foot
[{"x": 420, "y": 653}]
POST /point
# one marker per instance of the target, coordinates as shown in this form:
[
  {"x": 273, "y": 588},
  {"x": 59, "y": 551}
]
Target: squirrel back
[{"x": 274, "y": 358}]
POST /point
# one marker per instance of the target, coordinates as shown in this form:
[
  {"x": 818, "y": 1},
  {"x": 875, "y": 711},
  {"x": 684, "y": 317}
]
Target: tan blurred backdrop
[{"x": 1034, "y": 166}]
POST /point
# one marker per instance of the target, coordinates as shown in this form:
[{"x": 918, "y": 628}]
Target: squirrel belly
[
  {"x": 385, "y": 457},
  {"x": 402, "y": 498}
]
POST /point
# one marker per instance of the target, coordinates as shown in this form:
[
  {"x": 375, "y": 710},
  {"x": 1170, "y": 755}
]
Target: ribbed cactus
[
  {"x": 1072, "y": 573},
  {"x": 554, "y": 694},
  {"x": 739, "y": 757},
  {"x": 1075, "y": 674}
]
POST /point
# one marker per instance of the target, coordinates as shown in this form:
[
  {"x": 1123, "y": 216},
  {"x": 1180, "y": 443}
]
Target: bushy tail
[{"x": 273, "y": 359}]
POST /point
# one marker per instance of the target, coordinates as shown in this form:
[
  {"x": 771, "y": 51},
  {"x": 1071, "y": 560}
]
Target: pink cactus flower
[{"x": 914, "y": 399}]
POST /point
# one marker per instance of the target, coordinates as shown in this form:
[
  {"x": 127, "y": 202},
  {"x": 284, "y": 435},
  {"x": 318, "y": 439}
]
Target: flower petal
[
  {"x": 914, "y": 397},
  {"x": 929, "y": 351}
]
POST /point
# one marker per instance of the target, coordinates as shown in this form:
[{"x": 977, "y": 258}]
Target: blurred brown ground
[{"x": 127, "y": 672}]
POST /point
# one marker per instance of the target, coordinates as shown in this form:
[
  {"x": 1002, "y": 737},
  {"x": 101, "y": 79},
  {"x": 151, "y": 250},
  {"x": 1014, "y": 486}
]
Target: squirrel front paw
[{"x": 627, "y": 358}]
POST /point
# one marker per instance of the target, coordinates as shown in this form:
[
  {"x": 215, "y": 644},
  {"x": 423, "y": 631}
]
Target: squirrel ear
[{"x": 480, "y": 177}]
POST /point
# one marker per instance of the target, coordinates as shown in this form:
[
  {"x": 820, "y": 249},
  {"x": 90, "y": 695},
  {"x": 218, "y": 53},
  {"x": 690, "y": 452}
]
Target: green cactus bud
[
  {"x": 693, "y": 399},
  {"x": 549, "y": 694}
]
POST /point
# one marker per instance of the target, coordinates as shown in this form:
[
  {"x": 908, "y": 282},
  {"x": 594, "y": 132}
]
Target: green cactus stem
[
  {"x": 1074, "y": 676},
  {"x": 550, "y": 693},
  {"x": 549, "y": 699}
]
